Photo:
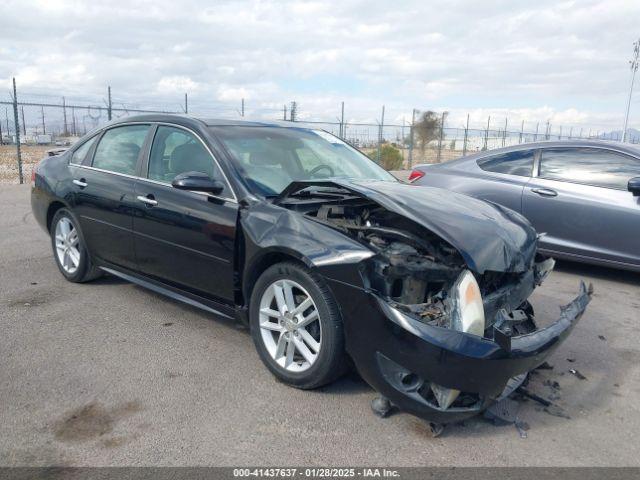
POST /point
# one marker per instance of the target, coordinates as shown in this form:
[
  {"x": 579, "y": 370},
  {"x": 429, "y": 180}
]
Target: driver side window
[{"x": 175, "y": 151}]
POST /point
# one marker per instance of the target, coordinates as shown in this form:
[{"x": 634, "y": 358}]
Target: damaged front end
[{"x": 439, "y": 325}]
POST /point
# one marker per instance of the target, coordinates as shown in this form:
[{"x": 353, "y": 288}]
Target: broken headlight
[
  {"x": 466, "y": 306},
  {"x": 466, "y": 315}
]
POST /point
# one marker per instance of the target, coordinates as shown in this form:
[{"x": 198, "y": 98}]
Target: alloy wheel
[
  {"x": 67, "y": 245},
  {"x": 290, "y": 325}
]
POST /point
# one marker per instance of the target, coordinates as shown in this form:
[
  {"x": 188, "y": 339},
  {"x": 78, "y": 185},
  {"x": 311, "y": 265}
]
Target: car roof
[
  {"x": 209, "y": 122},
  {"x": 631, "y": 149}
]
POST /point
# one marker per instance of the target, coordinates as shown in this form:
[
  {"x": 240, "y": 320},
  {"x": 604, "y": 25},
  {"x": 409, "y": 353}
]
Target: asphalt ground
[{"x": 108, "y": 373}]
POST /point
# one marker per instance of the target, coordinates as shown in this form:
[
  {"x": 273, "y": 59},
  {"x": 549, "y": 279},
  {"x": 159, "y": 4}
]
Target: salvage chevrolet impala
[{"x": 328, "y": 260}]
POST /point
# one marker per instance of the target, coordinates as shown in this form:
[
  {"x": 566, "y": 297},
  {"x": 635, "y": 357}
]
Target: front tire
[
  {"x": 69, "y": 251},
  {"x": 296, "y": 326}
]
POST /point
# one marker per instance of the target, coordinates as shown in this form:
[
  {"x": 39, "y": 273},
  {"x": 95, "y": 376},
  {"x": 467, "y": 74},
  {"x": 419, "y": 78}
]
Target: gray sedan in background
[{"x": 583, "y": 195}]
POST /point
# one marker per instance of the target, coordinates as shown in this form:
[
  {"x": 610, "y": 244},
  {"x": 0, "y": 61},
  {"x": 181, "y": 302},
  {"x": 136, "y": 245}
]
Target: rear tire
[
  {"x": 69, "y": 251},
  {"x": 304, "y": 346}
]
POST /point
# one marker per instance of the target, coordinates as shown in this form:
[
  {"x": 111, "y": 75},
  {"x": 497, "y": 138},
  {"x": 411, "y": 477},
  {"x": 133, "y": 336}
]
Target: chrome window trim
[
  {"x": 104, "y": 171},
  {"x": 151, "y": 123}
]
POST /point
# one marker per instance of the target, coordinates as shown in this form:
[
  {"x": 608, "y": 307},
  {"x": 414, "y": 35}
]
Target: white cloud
[
  {"x": 231, "y": 93},
  {"x": 176, "y": 84},
  {"x": 560, "y": 61}
]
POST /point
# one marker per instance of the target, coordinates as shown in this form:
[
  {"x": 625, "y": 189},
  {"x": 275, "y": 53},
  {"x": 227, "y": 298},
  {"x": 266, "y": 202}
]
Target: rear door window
[
  {"x": 590, "y": 166},
  {"x": 119, "y": 149},
  {"x": 513, "y": 163},
  {"x": 78, "y": 157}
]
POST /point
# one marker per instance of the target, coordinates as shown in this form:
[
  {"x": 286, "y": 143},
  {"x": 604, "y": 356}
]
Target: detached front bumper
[{"x": 398, "y": 355}]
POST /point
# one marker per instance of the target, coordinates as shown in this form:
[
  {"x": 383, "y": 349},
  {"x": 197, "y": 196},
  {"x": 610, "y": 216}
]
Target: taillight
[
  {"x": 415, "y": 175},
  {"x": 34, "y": 170}
]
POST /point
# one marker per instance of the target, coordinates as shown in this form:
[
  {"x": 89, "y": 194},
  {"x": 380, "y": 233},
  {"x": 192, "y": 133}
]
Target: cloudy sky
[{"x": 566, "y": 62}]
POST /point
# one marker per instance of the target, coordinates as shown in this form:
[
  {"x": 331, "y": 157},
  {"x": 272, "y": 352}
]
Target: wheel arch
[
  {"x": 267, "y": 258},
  {"x": 52, "y": 209}
]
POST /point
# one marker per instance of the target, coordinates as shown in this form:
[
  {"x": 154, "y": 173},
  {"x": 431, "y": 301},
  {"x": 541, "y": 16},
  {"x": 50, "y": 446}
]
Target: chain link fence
[{"x": 31, "y": 125}]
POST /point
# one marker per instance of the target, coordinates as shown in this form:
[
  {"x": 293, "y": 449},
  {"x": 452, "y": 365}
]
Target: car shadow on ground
[{"x": 109, "y": 279}]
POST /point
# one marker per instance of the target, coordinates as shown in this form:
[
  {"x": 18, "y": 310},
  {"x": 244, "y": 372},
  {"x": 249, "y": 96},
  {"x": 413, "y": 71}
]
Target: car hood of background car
[{"x": 488, "y": 236}]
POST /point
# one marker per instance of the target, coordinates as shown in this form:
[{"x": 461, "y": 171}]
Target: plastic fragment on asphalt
[
  {"x": 504, "y": 412},
  {"x": 381, "y": 406},
  {"x": 557, "y": 411},
  {"x": 544, "y": 366},
  {"x": 577, "y": 374},
  {"x": 522, "y": 428},
  {"x": 534, "y": 397}
]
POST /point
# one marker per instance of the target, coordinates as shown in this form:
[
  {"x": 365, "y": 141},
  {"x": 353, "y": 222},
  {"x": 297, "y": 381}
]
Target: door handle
[
  {"x": 545, "y": 192},
  {"x": 149, "y": 200},
  {"x": 81, "y": 183}
]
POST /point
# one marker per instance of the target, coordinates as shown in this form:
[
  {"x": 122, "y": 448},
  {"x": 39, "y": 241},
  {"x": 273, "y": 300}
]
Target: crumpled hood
[{"x": 488, "y": 236}]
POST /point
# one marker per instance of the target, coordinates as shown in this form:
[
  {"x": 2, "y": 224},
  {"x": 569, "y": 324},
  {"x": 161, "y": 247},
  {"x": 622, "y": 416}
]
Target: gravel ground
[{"x": 108, "y": 373}]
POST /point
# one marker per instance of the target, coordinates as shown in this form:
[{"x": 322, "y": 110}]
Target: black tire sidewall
[
  {"x": 84, "y": 264},
  {"x": 328, "y": 365}
]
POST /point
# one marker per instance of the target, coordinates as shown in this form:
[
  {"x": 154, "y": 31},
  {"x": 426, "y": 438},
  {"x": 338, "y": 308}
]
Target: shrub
[{"x": 390, "y": 157}]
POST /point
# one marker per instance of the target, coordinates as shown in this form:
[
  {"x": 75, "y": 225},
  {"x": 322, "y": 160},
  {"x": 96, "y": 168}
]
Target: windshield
[{"x": 270, "y": 158}]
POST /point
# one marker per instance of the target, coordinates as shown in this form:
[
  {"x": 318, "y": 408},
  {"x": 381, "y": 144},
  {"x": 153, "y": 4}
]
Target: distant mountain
[{"x": 633, "y": 135}]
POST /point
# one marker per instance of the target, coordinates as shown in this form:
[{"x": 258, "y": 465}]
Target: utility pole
[
  {"x": 73, "y": 120},
  {"x": 284, "y": 112},
  {"x": 109, "y": 106},
  {"x": 44, "y": 131},
  {"x": 441, "y": 136},
  {"x": 342, "y": 122},
  {"x": 634, "y": 68},
  {"x": 242, "y": 108},
  {"x": 64, "y": 117},
  {"x": 504, "y": 134},
  {"x": 15, "y": 118},
  {"x": 380, "y": 134},
  {"x": 521, "y": 132},
  {"x": 466, "y": 137},
  {"x": 537, "y": 128},
  {"x": 186, "y": 103},
  {"x": 293, "y": 111},
  {"x": 486, "y": 133},
  {"x": 547, "y": 130},
  {"x": 411, "y": 128},
  {"x": 24, "y": 125}
]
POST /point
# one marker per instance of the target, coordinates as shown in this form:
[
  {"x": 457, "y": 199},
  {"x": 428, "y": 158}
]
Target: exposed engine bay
[{"x": 418, "y": 273}]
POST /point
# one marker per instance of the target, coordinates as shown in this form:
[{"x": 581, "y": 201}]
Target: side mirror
[
  {"x": 634, "y": 186},
  {"x": 197, "y": 182}
]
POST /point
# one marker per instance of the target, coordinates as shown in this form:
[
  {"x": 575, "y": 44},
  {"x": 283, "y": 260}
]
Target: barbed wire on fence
[{"x": 46, "y": 119}]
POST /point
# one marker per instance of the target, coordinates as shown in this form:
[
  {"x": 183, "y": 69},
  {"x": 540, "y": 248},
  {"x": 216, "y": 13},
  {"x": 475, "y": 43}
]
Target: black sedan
[{"x": 325, "y": 256}]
